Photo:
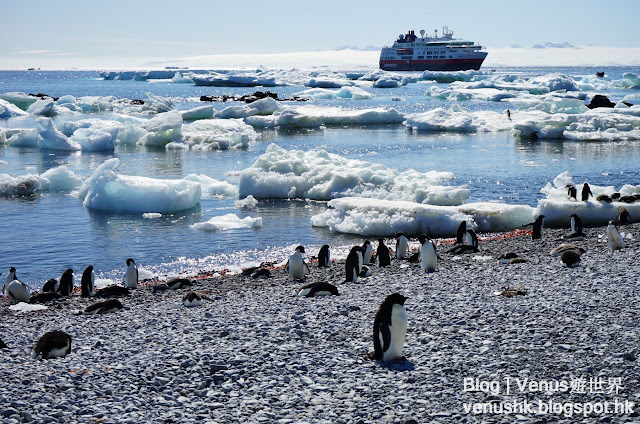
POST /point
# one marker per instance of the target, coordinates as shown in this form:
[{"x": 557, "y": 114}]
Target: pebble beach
[{"x": 256, "y": 353}]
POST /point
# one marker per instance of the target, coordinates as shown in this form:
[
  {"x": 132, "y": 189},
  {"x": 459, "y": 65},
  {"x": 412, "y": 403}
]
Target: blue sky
[{"x": 40, "y": 32}]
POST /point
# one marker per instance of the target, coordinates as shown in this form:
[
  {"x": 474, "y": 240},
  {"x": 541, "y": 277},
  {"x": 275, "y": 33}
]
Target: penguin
[
  {"x": 131, "y": 275},
  {"x": 160, "y": 288},
  {"x": 576, "y": 229},
  {"x": 402, "y": 245},
  {"x": 614, "y": 239},
  {"x": 18, "y": 292},
  {"x": 319, "y": 288},
  {"x": 508, "y": 114},
  {"x": 324, "y": 256},
  {"x": 623, "y": 216},
  {"x": 384, "y": 259},
  {"x": 538, "y": 225},
  {"x": 261, "y": 273},
  {"x": 470, "y": 246},
  {"x": 627, "y": 199},
  {"x": 367, "y": 252},
  {"x": 352, "y": 265},
  {"x": 248, "y": 271},
  {"x": 113, "y": 291},
  {"x": 615, "y": 196},
  {"x": 50, "y": 286},
  {"x": 296, "y": 265},
  {"x": 462, "y": 230},
  {"x": 390, "y": 328},
  {"x": 88, "y": 282},
  {"x": 558, "y": 251},
  {"x": 415, "y": 258},
  {"x": 428, "y": 254},
  {"x": 66, "y": 283},
  {"x": 604, "y": 198},
  {"x": 54, "y": 344},
  {"x": 586, "y": 192},
  {"x": 3, "y": 345},
  {"x": 505, "y": 258},
  {"x": 570, "y": 258},
  {"x": 365, "y": 271},
  {"x": 192, "y": 299},
  {"x": 178, "y": 283},
  {"x": 44, "y": 297},
  {"x": 572, "y": 192},
  {"x": 103, "y": 307},
  {"x": 10, "y": 277},
  {"x": 470, "y": 238}
]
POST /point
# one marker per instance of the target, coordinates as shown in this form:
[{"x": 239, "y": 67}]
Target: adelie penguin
[
  {"x": 384, "y": 259},
  {"x": 66, "y": 283},
  {"x": 50, "y": 286},
  {"x": 428, "y": 254},
  {"x": 511, "y": 258},
  {"x": 390, "y": 328},
  {"x": 402, "y": 245},
  {"x": 113, "y": 291},
  {"x": 44, "y": 297},
  {"x": 586, "y": 192},
  {"x": 572, "y": 192},
  {"x": 353, "y": 265},
  {"x": 460, "y": 232},
  {"x": 367, "y": 252},
  {"x": 296, "y": 266},
  {"x": 103, "y": 307},
  {"x": 318, "y": 288},
  {"x": 538, "y": 225},
  {"x": 623, "y": 216},
  {"x": 470, "y": 244},
  {"x": 576, "y": 229},
  {"x": 11, "y": 276},
  {"x": 88, "y": 282},
  {"x": 54, "y": 344},
  {"x": 570, "y": 258},
  {"x": 131, "y": 275},
  {"x": 191, "y": 299},
  {"x": 324, "y": 257},
  {"x": 614, "y": 239},
  {"x": 17, "y": 291}
]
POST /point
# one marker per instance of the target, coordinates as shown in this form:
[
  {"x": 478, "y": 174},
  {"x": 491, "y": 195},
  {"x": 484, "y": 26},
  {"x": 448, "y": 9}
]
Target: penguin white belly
[
  {"x": 367, "y": 254},
  {"x": 304, "y": 292},
  {"x": 403, "y": 247},
  {"x": 322, "y": 293},
  {"x": 296, "y": 266},
  {"x": 131, "y": 277},
  {"x": 614, "y": 240},
  {"x": 194, "y": 302},
  {"x": 58, "y": 353},
  {"x": 398, "y": 330},
  {"x": 360, "y": 259},
  {"x": 18, "y": 291},
  {"x": 92, "y": 289},
  {"x": 428, "y": 257},
  {"x": 573, "y": 225}
]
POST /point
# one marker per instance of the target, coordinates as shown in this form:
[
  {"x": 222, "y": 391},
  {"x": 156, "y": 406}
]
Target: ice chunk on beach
[
  {"x": 212, "y": 187},
  {"x": 23, "y": 307},
  {"x": 162, "y": 129},
  {"x": 457, "y": 119},
  {"x": 51, "y": 138},
  {"x": 9, "y": 110},
  {"x": 314, "y": 117},
  {"x": 107, "y": 190},
  {"x": 353, "y": 93},
  {"x": 218, "y": 134},
  {"x": 152, "y": 215},
  {"x": 228, "y": 222},
  {"x": 592, "y": 213},
  {"x": 369, "y": 217},
  {"x": 319, "y": 175}
]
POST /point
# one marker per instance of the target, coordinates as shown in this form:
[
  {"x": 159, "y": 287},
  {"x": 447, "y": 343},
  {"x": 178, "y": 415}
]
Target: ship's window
[{"x": 420, "y": 57}]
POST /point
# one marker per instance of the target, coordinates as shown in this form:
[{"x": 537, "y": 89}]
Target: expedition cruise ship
[{"x": 412, "y": 53}]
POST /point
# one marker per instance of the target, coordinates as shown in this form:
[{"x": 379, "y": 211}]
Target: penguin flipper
[
  {"x": 386, "y": 336},
  {"x": 286, "y": 267}
]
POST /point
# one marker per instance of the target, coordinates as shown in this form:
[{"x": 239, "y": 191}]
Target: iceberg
[
  {"x": 314, "y": 117},
  {"x": 182, "y": 78},
  {"x": 479, "y": 94},
  {"x": 328, "y": 82},
  {"x": 94, "y": 140},
  {"x": 227, "y": 222},
  {"x": 457, "y": 119},
  {"x": 353, "y": 93},
  {"x": 55, "y": 179},
  {"x": 9, "y": 110},
  {"x": 371, "y": 217},
  {"x": 25, "y": 138},
  {"x": 42, "y": 107},
  {"x": 266, "y": 106},
  {"x": 202, "y": 112},
  {"x": 212, "y": 187},
  {"x": 448, "y": 77},
  {"x": 218, "y": 134},
  {"x": 223, "y": 80},
  {"x": 21, "y": 100},
  {"x": 319, "y": 175},
  {"x": 162, "y": 129},
  {"x": 107, "y": 190},
  {"x": 51, "y": 138},
  {"x": 18, "y": 186}
]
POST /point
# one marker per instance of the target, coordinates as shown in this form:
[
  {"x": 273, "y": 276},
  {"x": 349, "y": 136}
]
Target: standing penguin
[
  {"x": 462, "y": 229},
  {"x": 88, "y": 282},
  {"x": 66, "y": 283},
  {"x": 614, "y": 239},
  {"x": 131, "y": 275},
  {"x": 50, "y": 286},
  {"x": 538, "y": 225},
  {"x": 295, "y": 265},
  {"x": 383, "y": 254},
  {"x": 428, "y": 254},
  {"x": 10, "y": 277},
  {"x": 623, "y": 216},
  {"x": 576, "y": 223},
  {"x": 572, "y": 192},
  {"x": 367, "y": 252},
  {"x": 402, "y": 246},
  {"x": 353, "y": 265},
  {"x": 586, "y": 192},
  {"x": 390, "y": 328},
  {"x": 324, "y": 256}
]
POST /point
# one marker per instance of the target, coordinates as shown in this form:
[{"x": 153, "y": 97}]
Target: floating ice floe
[
  {"x": 537, "y": 85},
  {"x": 212, "y": 187},
  {"x": 162, "y": 129},
  {"x": 18, "y": 186},
  {"x": 51, "y": 138},
  {"x": 481, "y": 94},
  {"x": 353, "y": 93},
  {"x": 42, "y": 107},
  {"x": 328, "y": 82},
  {"x": 371, "y": 217},
  {"x": 218, "y": 134},
  {"x": 59, "y": 178},
  {"x": 202, "y": 112},
  {"x": 152, "y": 215},
  {"x": 94, "y": 140},
  {"x": 224, "y": 80},
  {"x": 248, "y": 202},
  {"x": 9, "y": 110},
  {"x": 551, "y": 103},
  {"x": 390, "y": 82},
  {"x": 183, "y": 78},
  {"x": 448, "y": 77},
  {"x": 228, "y": 222},
  {"x": 21, "y": 100},
  {"x": 107, "y": 190},
  {"x": 457, "y": 119},
  {"x": 266, "y": 106},
  {"x": 609, "y": 124},
  {"x": 314, "y": 117},
  {"x": 319, "y": 175}
]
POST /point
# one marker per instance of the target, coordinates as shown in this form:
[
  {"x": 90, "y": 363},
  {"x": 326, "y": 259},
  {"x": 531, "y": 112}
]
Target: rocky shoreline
[{"x": 257, "y": 353}]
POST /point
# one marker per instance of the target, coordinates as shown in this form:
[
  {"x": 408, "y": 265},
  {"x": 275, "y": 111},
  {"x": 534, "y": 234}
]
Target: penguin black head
[
  {"x": 68, "y": 271},
  {"x": 615, "y": 196},
  {"x": 540, "y": 218},
  {"x": 422, "y": 238},
  {"x": 381, "y": 240},
  {"x": 399, "y": 234},
  {"x": 12, "y": 269},
  {"x": 573, "y": 215},
  {"x": 367, "y": 242},
  {"x": 89, "y": 268},
  {"x": 300, "y": 249},
  {"x": 395, "y": 298},
  {"x": 130, "y": 261}
]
